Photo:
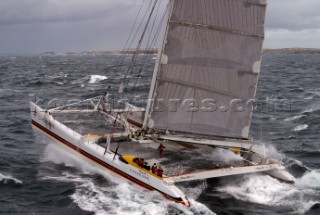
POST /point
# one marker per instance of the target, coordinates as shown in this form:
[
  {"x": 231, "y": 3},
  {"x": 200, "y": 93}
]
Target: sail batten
[
  {"x": 201, "y": 87},
  {"x": 207, "y": 76},
  {"x": 213, "y": 27}
]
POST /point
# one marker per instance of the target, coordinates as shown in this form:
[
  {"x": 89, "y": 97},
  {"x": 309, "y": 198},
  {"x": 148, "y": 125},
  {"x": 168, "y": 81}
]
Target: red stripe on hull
[
  {"x": 84, "y": 153},
  {"x": 134, "y": 123}
]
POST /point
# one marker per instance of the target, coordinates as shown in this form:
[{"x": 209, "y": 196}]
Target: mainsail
[{"x": 207, "y": 75}]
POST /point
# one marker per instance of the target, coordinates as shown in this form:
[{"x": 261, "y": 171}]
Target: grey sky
[
  {"x": 34, "y": 26},
  {"x": 293, "y": 23}
]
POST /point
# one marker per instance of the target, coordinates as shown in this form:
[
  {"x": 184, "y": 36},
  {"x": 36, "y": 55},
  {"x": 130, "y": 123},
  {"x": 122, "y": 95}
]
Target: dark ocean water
[{"x": 39, "y": 178}]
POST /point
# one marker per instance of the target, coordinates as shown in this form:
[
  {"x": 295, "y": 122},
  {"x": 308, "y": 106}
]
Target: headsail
[{"x": 208, "y": 72}]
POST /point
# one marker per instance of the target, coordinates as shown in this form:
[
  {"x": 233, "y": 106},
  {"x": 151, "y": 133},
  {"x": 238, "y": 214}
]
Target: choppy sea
[{"x": 37, "y": 177}]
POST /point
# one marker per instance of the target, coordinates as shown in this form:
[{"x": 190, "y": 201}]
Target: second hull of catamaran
[{"x": 87, "y": 148}]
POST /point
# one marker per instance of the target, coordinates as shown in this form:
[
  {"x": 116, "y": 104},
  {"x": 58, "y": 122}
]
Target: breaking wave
[
  {"x": 300, "y": 127},
  {"x": 294, "y": 118},
  {"x": 266, "y": 190},
  {"x": 222, "y": 155},
  {"x": 123, "y": 198},
  {"x": 97, "y": 78},
  {"x": 4, "y": 179},
  {"x": 119, "y": 199},
  {"x": 310, "y": 180},
  {"x": 313, "y": 109},
  {"x": 91, "y": 79},
  {"x": 272, "y": 152}
]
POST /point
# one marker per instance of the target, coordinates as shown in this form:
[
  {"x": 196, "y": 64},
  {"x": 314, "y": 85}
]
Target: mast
[{"x": 150, "y": 100}]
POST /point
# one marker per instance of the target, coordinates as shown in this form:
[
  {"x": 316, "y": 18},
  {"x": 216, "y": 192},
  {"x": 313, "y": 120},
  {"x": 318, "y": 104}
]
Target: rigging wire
[
  {"x": 132, "y": 28},
  {"x": 151, "y": 41},
  {"x": 127, "y": 44},
  {"x": 144, "y": 60},
  {"x": 123, "y": 56},
  {"x": 138, "y": 29},
  {"x": 131, "y": 65},
  {"x": 150, "y": 44}
]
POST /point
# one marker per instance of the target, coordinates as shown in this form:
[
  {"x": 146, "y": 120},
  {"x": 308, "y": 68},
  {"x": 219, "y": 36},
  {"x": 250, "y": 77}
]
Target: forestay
[{"x": 208, "y": 73}]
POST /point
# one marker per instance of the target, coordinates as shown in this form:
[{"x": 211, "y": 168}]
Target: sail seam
[
  {"x": 215, "y": 28},
  {"x": 196, "y": 86},
  {"x": 262, "y": 3}
]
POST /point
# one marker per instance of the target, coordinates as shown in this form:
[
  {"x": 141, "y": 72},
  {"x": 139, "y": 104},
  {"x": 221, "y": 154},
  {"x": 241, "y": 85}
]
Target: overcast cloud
[
  {"x": 35, "y": 26},
  {"x": 293, "y": 23}
]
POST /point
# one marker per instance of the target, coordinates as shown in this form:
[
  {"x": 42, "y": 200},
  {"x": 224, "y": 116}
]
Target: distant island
[
  {"x": 125, "y": 51},
  {"x": 293, "y": 50},
  {"x": 154, "y": 51}
]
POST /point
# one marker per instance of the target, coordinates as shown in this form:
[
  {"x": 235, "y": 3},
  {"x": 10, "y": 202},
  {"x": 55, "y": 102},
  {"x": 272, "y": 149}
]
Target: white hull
[
  {"x": 123, "y": 166},
  {"x": 98, "y": 156}
]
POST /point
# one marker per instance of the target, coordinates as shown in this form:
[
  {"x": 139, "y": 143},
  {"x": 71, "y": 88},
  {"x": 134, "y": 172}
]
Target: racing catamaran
[{"x": 201, "y": 94}]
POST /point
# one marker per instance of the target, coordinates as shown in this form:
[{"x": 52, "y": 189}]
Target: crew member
[
  {"x": 154, "y": 168},
  {"x": 137, "y": 135},
  {"x": 146, "y": 166},
  {"x": 140, "y": 162},
  {"x": 161, "y": 148},
  {"x": 159, "y": 172}
]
